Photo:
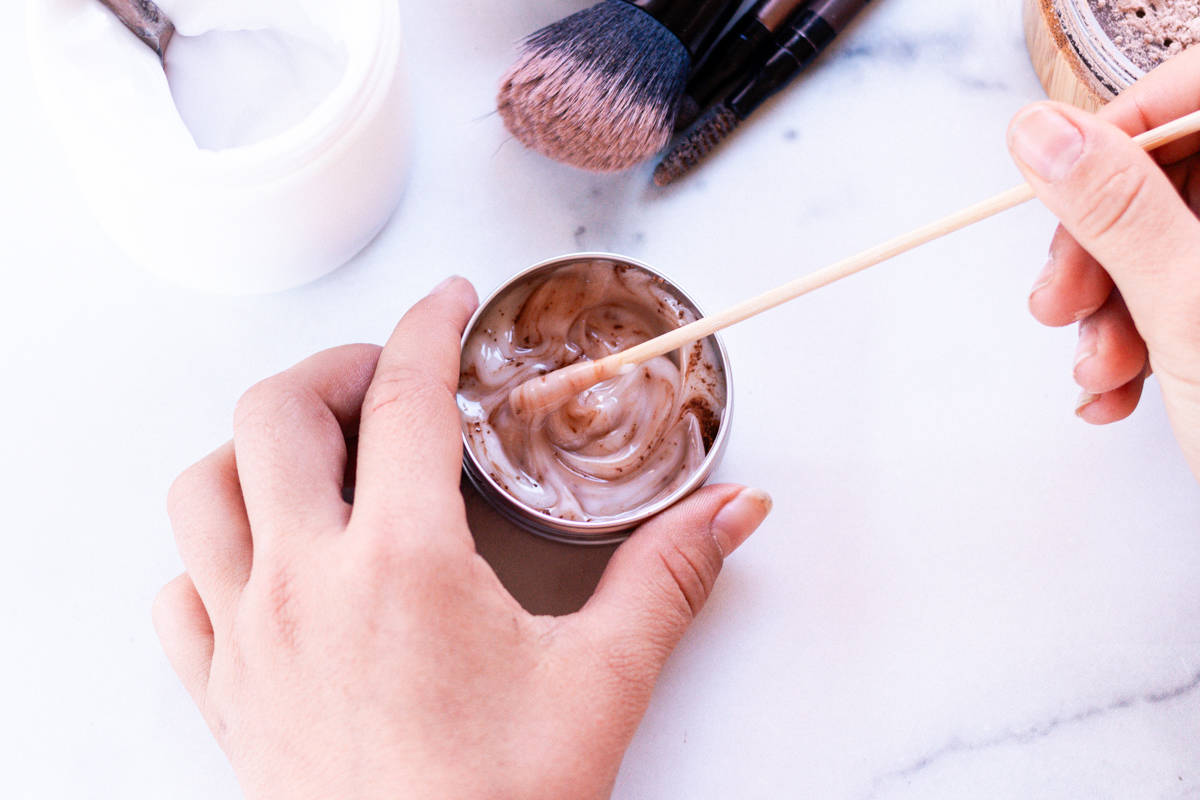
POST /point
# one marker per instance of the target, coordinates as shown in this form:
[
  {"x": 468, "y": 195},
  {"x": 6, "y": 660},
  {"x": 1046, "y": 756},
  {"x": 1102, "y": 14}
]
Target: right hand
[{"x": 1125, "y": 262}]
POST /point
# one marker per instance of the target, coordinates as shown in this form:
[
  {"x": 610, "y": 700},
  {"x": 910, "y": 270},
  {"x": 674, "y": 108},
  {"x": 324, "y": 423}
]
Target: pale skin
[
  {"x": 1125, "y": 262},
  {"x": 365, "y": 650}
]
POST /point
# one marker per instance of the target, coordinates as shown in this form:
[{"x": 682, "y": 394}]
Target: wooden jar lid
[{"x": 1063, "y": 75}]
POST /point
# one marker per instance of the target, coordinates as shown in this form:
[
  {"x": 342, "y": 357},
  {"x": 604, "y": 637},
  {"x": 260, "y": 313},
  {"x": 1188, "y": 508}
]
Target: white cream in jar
[
  {"x": 235, "y": 88},
  {"x": 248, "y": 208}
]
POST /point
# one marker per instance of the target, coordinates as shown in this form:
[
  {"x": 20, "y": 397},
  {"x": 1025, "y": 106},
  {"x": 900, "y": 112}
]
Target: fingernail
[
  {"x": 1044, "y": 278},
  {"x": 739, "y": 518},
  {"x": 1088, "y": 342},
  {"x": 444, "y": 284},
  {"x": 1047, "y": 142},
  {"x": 1085, "y": 400}
]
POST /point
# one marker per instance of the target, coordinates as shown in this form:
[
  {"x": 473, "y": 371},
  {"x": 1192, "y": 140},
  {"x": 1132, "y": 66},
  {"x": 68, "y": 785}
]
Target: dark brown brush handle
[
  {"x": 694, "y": 22},
  {"x": 146, "y": 20}
]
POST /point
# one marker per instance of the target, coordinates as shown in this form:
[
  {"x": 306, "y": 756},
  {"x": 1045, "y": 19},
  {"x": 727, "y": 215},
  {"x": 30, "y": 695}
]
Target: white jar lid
[{"x": 258, "y": 218}]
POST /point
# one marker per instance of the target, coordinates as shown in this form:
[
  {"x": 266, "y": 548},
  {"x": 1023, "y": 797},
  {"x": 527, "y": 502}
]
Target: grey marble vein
[{"x": 1033, "y": 733}]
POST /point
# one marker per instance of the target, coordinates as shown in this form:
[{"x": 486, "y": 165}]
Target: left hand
[{"x": 366, "y": 651}]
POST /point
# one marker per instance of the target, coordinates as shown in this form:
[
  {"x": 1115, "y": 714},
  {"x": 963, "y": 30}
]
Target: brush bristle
[
  {"x": 597, "y": 90},
  {"x": 712, "y": 130}
]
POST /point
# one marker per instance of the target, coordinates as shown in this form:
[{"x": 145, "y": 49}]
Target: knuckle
[
  {"x": 275, "y": 403},
  {"x": 255, "y": 400},
  {"x": 265, "y": 401},
  {"x": 406, "y": 387},
  {"x": 280, "y": 608},
  {"x": 366, "y": 354},
  {"x": 382, "y": 575},
  {"x": 165, "y": 603},
  {"x": 391, "y": 553},
  {"x": 275, "y": 602},
  {"x": 693, "y": 572},
  {"x": 1176, "y": 371},
  {"x": 1114, "y": 203},
  {"x": 190, "y": 483},
  {"x": 384, "y": 554}
]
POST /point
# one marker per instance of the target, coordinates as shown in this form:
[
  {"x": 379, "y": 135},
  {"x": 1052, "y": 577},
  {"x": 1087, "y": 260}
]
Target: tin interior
[{"x": 611, "y": 530}]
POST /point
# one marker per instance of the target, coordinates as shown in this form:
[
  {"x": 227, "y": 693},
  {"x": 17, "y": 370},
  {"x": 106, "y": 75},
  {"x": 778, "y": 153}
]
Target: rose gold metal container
[{"x": 610, "y": 530}]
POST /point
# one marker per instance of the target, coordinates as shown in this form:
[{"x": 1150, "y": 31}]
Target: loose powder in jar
[
  {"x": 617, "y": 447},
  {"x": 1151, "y": 31}
]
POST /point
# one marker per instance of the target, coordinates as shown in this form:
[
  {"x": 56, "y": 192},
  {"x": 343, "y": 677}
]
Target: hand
[
  {"x": 1125, "y": 263},
  {"x": 366, "y": 651}
]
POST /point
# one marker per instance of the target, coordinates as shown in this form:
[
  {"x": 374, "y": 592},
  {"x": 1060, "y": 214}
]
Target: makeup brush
[
  {"x": 547, "y": 392},
  {"x": 799, "y": 43},
  {"x": 600, "y": 88},
  {"x": 147, "y": 21},
  {"x": 740, "y": 51}
]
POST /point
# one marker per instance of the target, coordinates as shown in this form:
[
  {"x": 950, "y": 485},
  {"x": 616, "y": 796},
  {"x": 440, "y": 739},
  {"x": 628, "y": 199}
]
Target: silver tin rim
[{"x": 614, "y": 530}]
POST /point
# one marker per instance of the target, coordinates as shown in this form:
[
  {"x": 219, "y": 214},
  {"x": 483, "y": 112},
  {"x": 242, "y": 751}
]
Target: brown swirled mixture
[{"x": 617, "y": 447}]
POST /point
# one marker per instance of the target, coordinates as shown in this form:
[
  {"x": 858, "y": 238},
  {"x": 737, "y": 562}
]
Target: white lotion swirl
[
  {"x": 239, "y": 87},
  {"x": 617, "y": 447},
  {"x": 262, "y": 217}
]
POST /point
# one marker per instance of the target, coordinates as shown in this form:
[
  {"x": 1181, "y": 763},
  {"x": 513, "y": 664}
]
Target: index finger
[
  {"x": 1165, "y": 94},
  {"x": 410, "y": 436}
]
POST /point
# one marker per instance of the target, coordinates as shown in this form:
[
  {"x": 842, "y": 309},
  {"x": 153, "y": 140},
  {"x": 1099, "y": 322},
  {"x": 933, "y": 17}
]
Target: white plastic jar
[{"x": 257, "y": 218}]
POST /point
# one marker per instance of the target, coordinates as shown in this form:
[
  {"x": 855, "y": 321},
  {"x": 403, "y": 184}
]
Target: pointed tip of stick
[{"x": 539, "y": 396}]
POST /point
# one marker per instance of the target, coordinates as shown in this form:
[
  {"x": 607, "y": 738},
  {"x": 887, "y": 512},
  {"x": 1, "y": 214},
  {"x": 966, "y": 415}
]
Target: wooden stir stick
[{"x": 551, "y": 390}]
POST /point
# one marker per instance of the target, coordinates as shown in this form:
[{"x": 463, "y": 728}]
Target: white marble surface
[{"x": 964, "y": 592}]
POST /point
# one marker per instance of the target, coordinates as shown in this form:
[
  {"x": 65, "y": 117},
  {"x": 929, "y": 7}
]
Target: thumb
[
  {"x": 1123, "y": 209},
  {"x": 659, "y": 579}
]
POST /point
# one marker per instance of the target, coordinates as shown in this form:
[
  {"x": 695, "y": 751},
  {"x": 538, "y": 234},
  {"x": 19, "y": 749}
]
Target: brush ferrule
[{"x": 694, "y": 22}]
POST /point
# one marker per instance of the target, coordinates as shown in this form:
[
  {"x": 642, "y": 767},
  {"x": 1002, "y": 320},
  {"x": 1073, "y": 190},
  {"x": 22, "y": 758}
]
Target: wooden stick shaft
[{"x": 706, "y": 326}]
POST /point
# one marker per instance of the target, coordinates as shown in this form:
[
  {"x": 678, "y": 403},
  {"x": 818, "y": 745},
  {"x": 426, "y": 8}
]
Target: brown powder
[{"x": 1149, "y": 31}]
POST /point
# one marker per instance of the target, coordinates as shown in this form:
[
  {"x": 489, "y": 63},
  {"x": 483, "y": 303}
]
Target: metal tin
[{"x": 612, "y": 530}]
